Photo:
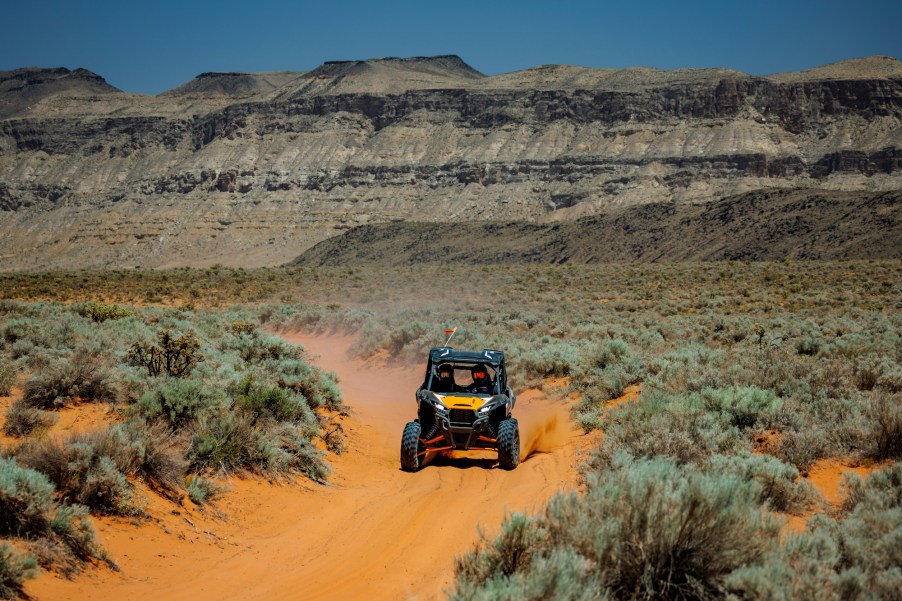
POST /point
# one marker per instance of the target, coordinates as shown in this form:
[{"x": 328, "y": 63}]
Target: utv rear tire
[
  {"x": 508, "y": 444},
  {"x": 411, "y": 447}
]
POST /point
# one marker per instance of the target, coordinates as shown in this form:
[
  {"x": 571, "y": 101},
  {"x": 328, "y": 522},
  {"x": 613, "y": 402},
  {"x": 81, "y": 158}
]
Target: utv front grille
[{"x": 462, "y": 416}]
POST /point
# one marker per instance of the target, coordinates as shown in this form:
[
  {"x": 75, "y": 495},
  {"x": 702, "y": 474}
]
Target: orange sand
[
  {"x": 374, "y": 532},
  {"x": 826, "y": 476}
]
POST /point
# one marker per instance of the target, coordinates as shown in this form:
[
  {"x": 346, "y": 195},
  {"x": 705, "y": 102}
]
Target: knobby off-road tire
[
  {"x": 411, "y": 447},
  {"x": 508, "y": 444}
]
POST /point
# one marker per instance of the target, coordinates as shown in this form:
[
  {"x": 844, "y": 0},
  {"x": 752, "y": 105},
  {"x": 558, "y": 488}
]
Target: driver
[
  {"x": 482, "y": 384},
  {"x": 445, "y": 380}
]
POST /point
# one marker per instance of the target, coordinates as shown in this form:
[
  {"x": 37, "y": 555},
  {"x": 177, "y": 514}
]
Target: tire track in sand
[{"x": 373, "y": 533}]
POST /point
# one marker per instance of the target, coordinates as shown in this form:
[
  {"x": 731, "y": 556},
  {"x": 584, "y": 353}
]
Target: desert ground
[{"x": 783, "y": 373}]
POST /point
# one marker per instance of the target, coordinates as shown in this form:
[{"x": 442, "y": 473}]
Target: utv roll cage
[{"x": 446, "y": 354}]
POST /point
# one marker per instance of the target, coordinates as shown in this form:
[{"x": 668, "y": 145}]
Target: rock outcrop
[{"x": 252, "y": 169}]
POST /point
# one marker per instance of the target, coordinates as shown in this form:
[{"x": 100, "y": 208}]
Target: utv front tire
[
  {"x": 411, "y": 447},
  {"x": 508, "y": 444}
]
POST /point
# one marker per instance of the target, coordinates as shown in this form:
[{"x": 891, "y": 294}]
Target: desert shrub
[
  {"x": 643, "y": 529},
  {"x": 780, "y": 483},
  {"x": 801, "y": 568},
  {"x": 172, "y": 356},
  {"x": 79, "y": 377},
  {"x": 224, "y": 441},
  {"x": 884, "y": 414},
  {"x": 180, "y": 401},
  {"x": 803, "y": 447},
  {"x": 870, "y": 533},
  {"x": 549, "y": 360},
  {"x": 692, "y": 366},
  {"x": 609, "y": 352},
  {"x": 28, "y": 510},
  {"x": 407, "y": 337},
  {"x": 240, "y": 326},
  {"x": 202, "y": 490},
  {"x": 14, "y": 569},
  {"x": 288, "y": 449},
  {"x": 256, "y": 348},
  {"x": 273, "y": 402},
  {"x": 26, "y": 500},
  {"x": 22, "y": 419},
  {"x": 678, "y": 426},
  {"x": 865, "y": 562},
  {"x": 742, "y": 406},
  {"x": 82, "y": 473},
  {"x": 101, "y": 312},
  {"x": 868, "y": 371},
  {"x": 808, "y": 346},
  {"x": 8, "y": 376},
  {"x": 150, "y": 451},
  {"x": 71, "y": 524},
  {"x": 319, "y": 389}
]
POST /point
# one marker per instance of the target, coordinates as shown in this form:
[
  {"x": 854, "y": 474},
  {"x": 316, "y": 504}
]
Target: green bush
[
  {"x": 272, "y": 402},
  {"x": 202, "y": 490},
  {"x": 14, "y": 569},
  {"x": 148, "y": 450},
  {"x": 551, "y": 360},
  {"x": 26, "y": 500},
  {"x": 223, "y": 441},
  {"x": 256, "y": 348},
  {"x": 643, "y": 529},
  {"x": 319, "y": 389},
  {"x": 744, "y": 407},
  {"x": 101, "y": 312},
  {"x": 180, "y": 401}
]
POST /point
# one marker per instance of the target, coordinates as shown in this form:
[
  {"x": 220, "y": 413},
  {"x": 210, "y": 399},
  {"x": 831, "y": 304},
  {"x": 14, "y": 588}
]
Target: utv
[{"x": 463, "y": 404}]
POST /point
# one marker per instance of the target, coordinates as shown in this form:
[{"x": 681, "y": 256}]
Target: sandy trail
[{"x": 374, "y": 532}]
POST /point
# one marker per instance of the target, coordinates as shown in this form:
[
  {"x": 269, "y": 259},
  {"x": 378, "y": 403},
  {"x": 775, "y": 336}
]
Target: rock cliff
[{"x": 253, "y": 169}]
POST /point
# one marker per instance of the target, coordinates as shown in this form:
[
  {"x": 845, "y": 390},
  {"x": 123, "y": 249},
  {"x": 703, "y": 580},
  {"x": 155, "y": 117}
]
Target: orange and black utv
[{"x": 463, "y": 404}]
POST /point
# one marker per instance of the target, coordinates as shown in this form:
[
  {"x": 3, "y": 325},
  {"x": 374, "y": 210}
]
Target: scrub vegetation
[
  {"x": 749, "y": 374},
  {"x": 188, "y": 396}
]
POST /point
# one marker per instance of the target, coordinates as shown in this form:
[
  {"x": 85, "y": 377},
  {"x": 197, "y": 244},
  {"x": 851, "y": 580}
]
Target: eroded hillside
[{"x": 253, "y": 169}]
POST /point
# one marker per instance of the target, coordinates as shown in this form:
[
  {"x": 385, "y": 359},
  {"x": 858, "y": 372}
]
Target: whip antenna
[{"x": 450, "y": 334}]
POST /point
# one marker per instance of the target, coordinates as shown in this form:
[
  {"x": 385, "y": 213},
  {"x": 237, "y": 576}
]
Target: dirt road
[{"x": 374, "y": 532}]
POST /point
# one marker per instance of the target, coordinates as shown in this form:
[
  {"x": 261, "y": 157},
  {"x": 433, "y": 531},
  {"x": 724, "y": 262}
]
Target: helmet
[
  {"x": 445, "y": 370},
  {"x": 479, "y": 373}
]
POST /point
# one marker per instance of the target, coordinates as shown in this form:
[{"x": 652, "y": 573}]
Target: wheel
[
  {"x": 411, "y": 447},
  {"x": 508, "y": 444}
]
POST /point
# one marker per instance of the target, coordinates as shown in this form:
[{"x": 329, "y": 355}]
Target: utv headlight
[{"x": 492, "y": 403}]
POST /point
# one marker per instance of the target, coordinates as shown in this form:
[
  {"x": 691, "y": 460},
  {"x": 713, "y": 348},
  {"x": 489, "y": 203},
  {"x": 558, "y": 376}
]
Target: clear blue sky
[{"x": 149, "y": 47}]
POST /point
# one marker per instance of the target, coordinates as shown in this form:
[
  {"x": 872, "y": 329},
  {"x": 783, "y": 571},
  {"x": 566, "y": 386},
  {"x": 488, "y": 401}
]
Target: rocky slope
[
  {"x": 792, "y": 224},
  {"x": 252, "y": 169}
]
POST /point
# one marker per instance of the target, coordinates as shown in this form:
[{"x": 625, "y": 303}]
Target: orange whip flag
[{"x": 449, "y": 334}]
